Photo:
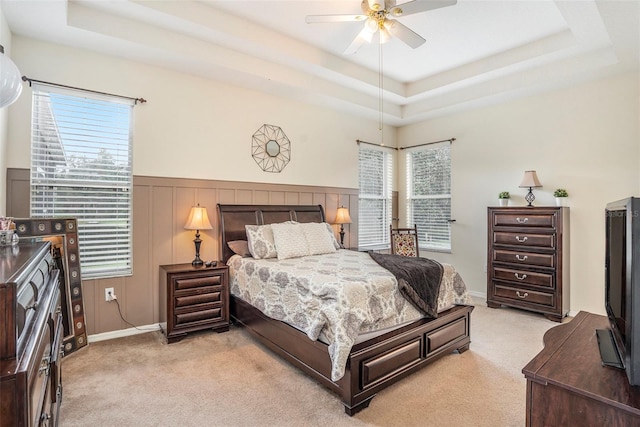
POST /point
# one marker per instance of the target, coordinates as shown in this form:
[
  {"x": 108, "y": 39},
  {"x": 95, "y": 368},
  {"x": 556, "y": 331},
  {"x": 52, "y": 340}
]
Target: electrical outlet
[{"x": 109, "y": 293}]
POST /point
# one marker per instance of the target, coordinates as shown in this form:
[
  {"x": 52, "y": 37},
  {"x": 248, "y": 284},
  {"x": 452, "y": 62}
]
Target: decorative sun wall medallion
[{"x": 271, "y": 149}]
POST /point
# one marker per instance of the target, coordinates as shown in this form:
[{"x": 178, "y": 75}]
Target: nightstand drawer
[
  {"x": 182, "y": 283},
  {"x": 525, "y": 258},
  {"x": 525, "y": 239},
  {"x": 201, "y": 298},
  {"x": 526, "y": 277},
  {"x": 524, "y": 295},
  {"x": 198, "y": 316},
  {"x": 540, "y": 220}
]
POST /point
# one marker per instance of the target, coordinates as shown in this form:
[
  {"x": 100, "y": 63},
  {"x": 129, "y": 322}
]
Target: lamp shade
[
  {"x": 198, "y": 219},
  {"x": 530, "y": 179},
  {"x": 10, "y": 81},
  {"x": 342, "y": 216}
]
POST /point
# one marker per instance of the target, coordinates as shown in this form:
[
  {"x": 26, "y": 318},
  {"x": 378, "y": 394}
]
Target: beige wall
[
  {"x": 5, "y": 41},
  {"x": 585, "y": 139},
  {"x": 197, "y": 128}
]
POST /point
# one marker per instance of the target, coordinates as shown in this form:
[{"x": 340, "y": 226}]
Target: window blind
[
  {"x": 81, "y": 154},
  {"x": 429, "y": 191},
  {"x": 374, "y": 210}
]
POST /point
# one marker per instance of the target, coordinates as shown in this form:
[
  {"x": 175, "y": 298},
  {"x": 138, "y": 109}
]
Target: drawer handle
[
  {"x": 522, "y": 220},
  {"x": 524, "y": 258},
  {"x": 521, "y": 240},
  {"x": 524, "y": 276},
  {"x": 523, "y": 295}
]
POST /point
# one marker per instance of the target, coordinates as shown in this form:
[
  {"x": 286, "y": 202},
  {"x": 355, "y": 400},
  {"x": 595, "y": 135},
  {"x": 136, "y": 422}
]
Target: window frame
[
  {"x": 444, "y": 245},
  {"x": 83, "y": 141},
  {"x": 384, "y": 216}
]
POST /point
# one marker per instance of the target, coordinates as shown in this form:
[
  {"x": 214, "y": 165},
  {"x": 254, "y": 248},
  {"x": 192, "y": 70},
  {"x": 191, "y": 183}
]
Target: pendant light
[{"x": 10, "y": 82}]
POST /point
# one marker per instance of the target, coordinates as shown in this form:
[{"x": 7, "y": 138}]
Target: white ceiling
[{"x": 477, "y": 52}]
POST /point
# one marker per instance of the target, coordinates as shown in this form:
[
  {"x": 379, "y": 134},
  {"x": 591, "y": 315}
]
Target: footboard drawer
[
  {"x": 445, "y": 335},
  {"x": 382, "y": 366}
]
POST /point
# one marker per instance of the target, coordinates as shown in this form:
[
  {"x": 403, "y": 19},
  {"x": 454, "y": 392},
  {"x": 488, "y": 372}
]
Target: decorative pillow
[
  {"x": 260, "y": 241},
  {"x": 240, "y": 247},
  {"x": 405, "y": 244},
  {"x": 333, "y": 236},
  {"x": 318, "y": 240},
  {"x": 289, "y": 240}
]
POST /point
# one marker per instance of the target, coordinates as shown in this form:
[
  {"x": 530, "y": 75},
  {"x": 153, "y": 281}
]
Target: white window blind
[
  {"x": 376, "y": 174},
  {"x": 81, "y": 153},
  {"x": 429, "y": 195}
]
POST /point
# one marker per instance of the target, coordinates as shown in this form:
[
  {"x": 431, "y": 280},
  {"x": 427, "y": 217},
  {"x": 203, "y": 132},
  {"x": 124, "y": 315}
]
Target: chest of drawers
[
  {"x": 30, "y": 336},
  {"x": 528, "y": 259},
  {"x": 192, "y": 299}
]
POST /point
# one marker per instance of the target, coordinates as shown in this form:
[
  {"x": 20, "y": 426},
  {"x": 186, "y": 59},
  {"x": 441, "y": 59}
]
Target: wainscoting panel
[{"x": 160, "y": 209}]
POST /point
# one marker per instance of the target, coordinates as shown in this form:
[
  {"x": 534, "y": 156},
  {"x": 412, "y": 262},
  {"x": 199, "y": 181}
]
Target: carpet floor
[{"x": 228, "y": 379}]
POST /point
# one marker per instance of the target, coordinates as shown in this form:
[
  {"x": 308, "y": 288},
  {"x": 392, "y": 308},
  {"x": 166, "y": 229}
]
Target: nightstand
[{"x": 193, "y": 299}]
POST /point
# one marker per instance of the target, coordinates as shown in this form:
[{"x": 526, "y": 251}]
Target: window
[
  {"x": 81, "y": 167},
  {"x": 429, "y": 195},
  {"x": 375, "y": 173}
]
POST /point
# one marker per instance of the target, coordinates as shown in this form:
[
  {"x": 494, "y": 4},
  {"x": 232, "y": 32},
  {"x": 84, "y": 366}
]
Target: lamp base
[
  {"x": 197, "y": 262},
  {"x": 530, "y": 197},
  {"x": 341, "y": 236}
]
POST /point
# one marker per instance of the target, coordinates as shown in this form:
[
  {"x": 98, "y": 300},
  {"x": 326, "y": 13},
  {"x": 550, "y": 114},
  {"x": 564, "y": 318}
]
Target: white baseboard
[
  {"x": 123, "y": 333},
  {"x": 478, "y": 295}
]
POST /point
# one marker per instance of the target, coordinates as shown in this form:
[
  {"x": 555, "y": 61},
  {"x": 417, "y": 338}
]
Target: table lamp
[
  {"x": 530, "y": 180},
  {"x": 198, "y": 220},
  {"x": 342, "y": 217}
]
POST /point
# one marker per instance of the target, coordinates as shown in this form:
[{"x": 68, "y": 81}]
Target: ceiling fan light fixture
[
  {"x": 376, "y": 4},
  {"x": 384, "y": 35},
  {"x": 397, "y": 11}
]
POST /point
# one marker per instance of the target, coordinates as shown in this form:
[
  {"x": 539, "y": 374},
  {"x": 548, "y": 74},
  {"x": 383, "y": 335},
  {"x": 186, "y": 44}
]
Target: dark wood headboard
[{"x": 233, "y": 218}]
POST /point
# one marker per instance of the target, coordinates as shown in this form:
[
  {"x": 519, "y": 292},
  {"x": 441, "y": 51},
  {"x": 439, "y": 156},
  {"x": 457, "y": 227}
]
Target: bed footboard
[{"x": 373, "y": 364}]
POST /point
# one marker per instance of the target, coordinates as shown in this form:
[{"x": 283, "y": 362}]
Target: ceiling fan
[{"x": 377, "y": 17}]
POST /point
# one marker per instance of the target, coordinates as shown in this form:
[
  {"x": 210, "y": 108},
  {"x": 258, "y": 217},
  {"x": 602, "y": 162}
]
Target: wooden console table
[{"x": 568, "y": 386}]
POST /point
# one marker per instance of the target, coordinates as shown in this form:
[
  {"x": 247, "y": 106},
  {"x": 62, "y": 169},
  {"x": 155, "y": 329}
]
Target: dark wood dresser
[
  {"x": 528, "y": 259},
  {"x": 30, "y": 336},
  {"x": 192, "y": 299},
  {"x": 568, "y": 386}
]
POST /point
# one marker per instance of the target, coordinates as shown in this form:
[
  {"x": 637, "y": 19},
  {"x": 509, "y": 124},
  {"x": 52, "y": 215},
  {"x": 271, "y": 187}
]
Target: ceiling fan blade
[
  {"x": 417, "y": 6},
  {"x": 357, "y": 42},
  {"x": 403, "y": 32},
  {"x": 313, "y": 19}
]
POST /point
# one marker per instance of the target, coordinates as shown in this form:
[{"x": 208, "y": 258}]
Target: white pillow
[
  {"x": 318, "y": 238},
  {"x": 260, "y": 241},
  {"x": 289, "y": 240},
  {"x": 333, "y": 236}
]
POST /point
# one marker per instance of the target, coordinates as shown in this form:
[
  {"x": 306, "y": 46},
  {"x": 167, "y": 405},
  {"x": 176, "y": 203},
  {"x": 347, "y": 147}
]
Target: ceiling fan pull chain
[{"x": 380, "y": 89}]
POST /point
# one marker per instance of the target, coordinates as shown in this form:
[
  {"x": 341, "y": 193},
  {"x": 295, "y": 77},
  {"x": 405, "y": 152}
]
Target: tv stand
[
  {"x": 567, "y": 384},
  {"x": 608, "y": 351}
]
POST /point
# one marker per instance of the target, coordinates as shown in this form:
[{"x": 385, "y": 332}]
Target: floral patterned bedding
[{"x": 338, "y": 295}]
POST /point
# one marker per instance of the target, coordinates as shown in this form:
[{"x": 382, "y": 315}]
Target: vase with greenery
[
  {"x": 561, "y": 196},
  {"x": 504, "y": 197}
]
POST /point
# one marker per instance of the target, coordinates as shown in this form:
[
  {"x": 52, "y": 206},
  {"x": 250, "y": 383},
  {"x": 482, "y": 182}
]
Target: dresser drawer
[
  {"x": 211, "y": 315},
  {"x": 525, "y": 239},
  {"x": 525, "y": 258},
  {"x": 215, "y": 295},
  {"x": 540, "y": 220},
  {"x": 526, "y": 277},
  {"x": 523, "y": 295},
  {"x": 183, "y": 283}
]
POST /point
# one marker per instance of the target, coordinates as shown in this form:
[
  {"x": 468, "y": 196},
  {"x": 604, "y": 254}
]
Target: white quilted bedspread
[{"x": 340, "y": 295}]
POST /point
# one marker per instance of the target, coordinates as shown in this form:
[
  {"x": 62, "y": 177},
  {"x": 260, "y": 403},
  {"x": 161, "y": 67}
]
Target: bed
[{"x": 373, "y": 362}]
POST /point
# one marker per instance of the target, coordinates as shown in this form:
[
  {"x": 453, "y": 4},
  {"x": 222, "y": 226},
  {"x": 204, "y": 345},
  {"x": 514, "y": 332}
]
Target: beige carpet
[{"x": 211, "y": 379}]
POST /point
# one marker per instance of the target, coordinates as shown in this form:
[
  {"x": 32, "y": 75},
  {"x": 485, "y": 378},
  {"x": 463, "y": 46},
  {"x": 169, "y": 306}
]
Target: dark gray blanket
[{"x": 418, "y": 279}]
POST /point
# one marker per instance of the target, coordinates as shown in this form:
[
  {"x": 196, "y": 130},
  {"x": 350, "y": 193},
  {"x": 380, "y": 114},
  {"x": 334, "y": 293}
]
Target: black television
[{"x": 620, "y": 344}]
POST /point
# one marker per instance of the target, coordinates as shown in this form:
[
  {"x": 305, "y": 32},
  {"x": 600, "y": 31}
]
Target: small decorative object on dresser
[
  {"x": 193, "y": 298},
  {"x": 561, "y": 196},
  {"x": 528, "y": 259},
  {"x": 503, "y": 198}
]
